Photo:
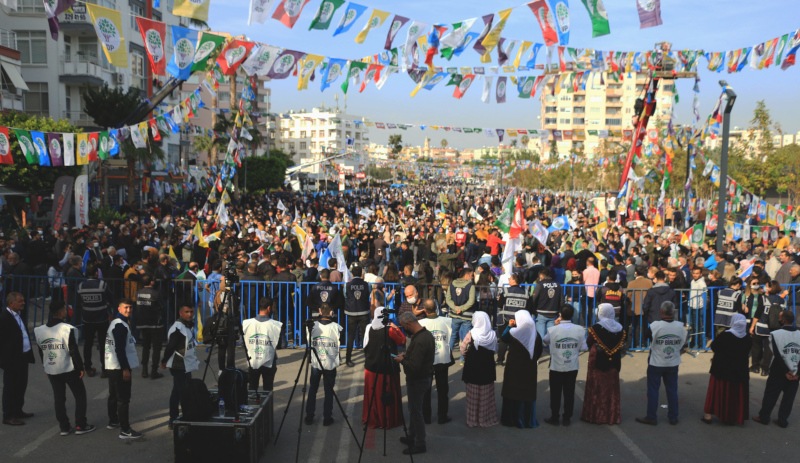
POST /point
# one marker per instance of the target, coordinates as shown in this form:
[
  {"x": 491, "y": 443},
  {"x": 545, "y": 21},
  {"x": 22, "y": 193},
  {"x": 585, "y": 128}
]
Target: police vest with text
[
  {"x": 357, "y": 301},
  {"x": 516, "y": 298},
  {"x": 726, "y": 306},
  {"x": 460, "y": 297},
  {"x": 54, "y": 342},
  {"x": 261, "y": 338}
]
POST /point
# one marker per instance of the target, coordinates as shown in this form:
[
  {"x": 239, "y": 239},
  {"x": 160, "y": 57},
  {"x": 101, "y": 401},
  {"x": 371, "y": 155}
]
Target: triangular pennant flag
[
  {"x": 322, "y": 20},
  {"x": 375, "y": 21},
  {"x": 26, "y": 145},
  {"x": 259, "y": 11},
  {"x": 233, "y": 55},
  {"x": 351, "y": 15},
  {"x": 288, "y": 11},
  {"x": 184, "y": 41}
]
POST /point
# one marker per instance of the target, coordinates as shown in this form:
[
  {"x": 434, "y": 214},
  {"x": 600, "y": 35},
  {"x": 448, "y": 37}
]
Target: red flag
[
  {"x": 94, "y": 140},
  {"x": 5, "y": 147},
  {"x": 154, "y": 130},
  {"x": 153, "y": 35},
  {"x": 373, "y": 73},
  {"x": 289, "y": 16},
  {"x": 518, "y": 224},
  {"x": 218, "y": 184},
  {"x": 233, "y": 55},
  {"x": 463, "y": 86},
  {"x": 543, "y": 14}
]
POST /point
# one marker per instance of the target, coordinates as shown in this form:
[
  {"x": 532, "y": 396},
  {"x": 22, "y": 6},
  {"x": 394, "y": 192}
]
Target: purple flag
[
  {"x": 500, "y": 133},
  {"x": 397, "y": 23},
  {"x": 502, "y": 56},
  {"x": 487, "y": 26},
  {"x": 53, "y": 12},
  {"x": 649, "y": 13},
  {"x": 56, "y": 149},
  {"x": 500, "y": 89},
  {"x": 284, "y": 64}
]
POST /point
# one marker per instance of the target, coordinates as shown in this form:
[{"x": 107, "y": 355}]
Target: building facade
[
  {"x": 312, "y": 134},
  {"x": 600, "y": 111}
]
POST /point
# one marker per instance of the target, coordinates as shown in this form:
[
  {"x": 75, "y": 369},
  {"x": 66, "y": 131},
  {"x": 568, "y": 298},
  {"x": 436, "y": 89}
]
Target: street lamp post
[{"x": 723, "y": 164}]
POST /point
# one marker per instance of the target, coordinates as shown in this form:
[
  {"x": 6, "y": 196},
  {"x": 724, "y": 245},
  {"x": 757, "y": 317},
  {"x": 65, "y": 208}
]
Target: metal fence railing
[{"x": 292, "y": 303}]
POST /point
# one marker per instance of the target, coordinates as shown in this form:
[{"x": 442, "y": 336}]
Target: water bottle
[
  {"x": 289, "y": 335},
  {"x": 221, "y": 407}
]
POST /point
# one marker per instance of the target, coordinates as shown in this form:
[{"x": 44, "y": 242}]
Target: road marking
[
  {"x": 24, "y": 451},
  {"x": 629, "y": 444}
]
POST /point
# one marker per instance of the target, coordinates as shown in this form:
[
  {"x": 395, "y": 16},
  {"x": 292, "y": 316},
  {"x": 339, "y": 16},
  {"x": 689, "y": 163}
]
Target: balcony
[
  {"x": 10, "y": 101},
  {"x": 78, "y": 118},
  {"x": 84, "y": 70},
  {"x": 8, "y": 39},
  {"x": 77, "y": 22}
]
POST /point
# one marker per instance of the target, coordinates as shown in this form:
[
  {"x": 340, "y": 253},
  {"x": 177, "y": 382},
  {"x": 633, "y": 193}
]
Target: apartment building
[{"x": 310, "y": 134}]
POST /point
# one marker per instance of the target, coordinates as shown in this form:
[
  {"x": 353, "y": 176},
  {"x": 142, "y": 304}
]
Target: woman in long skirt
[
  {"x": 601, "y": 402},
  {"x": 729, "y": 385},
  {"x": 478, "y": 349},
  {"x": 381, "y": 374},
  {"x": 520, "y": 374}
]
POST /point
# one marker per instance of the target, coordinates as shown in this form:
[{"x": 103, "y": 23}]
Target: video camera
[
  {"x": 231, "y": 277},
  {"x": 384, "y": 316}
]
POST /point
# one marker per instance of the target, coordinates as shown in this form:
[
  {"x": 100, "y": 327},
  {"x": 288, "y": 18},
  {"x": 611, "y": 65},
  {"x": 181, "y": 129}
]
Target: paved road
[{"x": 39, "y": 439}]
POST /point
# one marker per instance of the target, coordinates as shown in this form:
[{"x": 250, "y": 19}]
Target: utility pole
[{"x": 723, "y": 164}]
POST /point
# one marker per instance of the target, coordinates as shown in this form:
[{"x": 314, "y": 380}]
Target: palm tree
[{"x": 444, "y": 143}]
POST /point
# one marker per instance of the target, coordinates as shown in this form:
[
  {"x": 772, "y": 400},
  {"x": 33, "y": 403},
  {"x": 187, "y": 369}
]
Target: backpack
[
  {"x": 773, "y": 320},
  {"x": 197, "y": 404},
  {"x": 233, "y": 388}
]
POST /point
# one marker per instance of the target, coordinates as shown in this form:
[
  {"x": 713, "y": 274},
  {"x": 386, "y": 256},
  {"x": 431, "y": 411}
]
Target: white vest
[
  {"x": 112, "y": 362},
  {"x": 54, "y": 342},
  {"x": 190, "y": 361},
  {"x": 788, "y": 343},
  {"x": 441, "y": 329},
  {"x": 668, "y": 340},
  {"x": 325, "y": 340},
  {"x": 566, "y": 342},
  {"x": 260, "y": 340}
]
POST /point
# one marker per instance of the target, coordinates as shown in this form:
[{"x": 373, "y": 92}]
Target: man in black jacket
[
  {"x": 417, "y": 362},
  {"x": 356, "y": 307},
  {"x": 324, "y": 291},
  {"x": 546, "y": 300},
  {"x": 15, "y": 355},
  {"x": 150, "y": 322}
]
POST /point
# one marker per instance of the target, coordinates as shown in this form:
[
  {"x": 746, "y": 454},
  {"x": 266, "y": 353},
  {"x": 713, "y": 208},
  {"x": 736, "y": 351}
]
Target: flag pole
[{"x": 723, "y": 163}]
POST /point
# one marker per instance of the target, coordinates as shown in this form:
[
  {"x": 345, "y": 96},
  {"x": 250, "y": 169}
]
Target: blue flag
[
  {"x": 332, "y": 71},
  {"x": 113, "y": 148},
  {"x": 41, "y": 147},
  {"x": 351, "y": 15},
  {"x": 171, "y": 123},
  {"x": 86, "y": 257},
  {"x": 559, "y": 223},
  {"x": 534, "y": 52},
  {"x": 560, "y": 11},
  {"x": 467, "y": 42},
  {"x": 184, "y": 43}
]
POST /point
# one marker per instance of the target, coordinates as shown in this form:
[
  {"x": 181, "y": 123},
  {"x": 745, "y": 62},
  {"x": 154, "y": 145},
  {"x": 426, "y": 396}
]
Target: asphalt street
[{"x": 39, "y": 439}]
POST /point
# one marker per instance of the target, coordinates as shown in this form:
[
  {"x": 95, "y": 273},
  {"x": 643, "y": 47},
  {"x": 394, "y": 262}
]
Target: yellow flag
[
  {"x": 375, "y": 21},
  {"x": 226, "y": 198},
  {"x": 522, "y": 49},
  {"x": 197, "y": 9},
  {"x": 306, "y": 68},
  {"x": 172, "y": 253},
  {"x": 301, "y": 234},
  {"x": 83, "y": 147},
  {"x": 108, "y": 25},
  {"x": 493, "y": 37},
  {"x": 423, "y": 81}
]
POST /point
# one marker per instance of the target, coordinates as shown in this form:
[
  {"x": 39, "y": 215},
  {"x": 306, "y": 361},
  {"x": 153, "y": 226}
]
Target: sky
[{"x": 712, "y": 25}]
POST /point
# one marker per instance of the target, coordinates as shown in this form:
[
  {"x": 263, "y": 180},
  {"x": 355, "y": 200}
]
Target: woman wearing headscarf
[
  {"x": 520, "y": 374},
  {"x": 381, "y": 374},
  {"x": 729, "y": 385},
  {"x": 477, "y": 349},
  {"x": 606, "y": 340}
]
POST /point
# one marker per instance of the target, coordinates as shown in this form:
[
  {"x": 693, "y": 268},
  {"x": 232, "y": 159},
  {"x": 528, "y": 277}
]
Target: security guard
[
  {"x": 356, "y": 307},
  {"x": 514, "y": 298},
  {"x": 95, "y": 303}
]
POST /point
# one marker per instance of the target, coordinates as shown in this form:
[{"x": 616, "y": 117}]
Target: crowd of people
[{"x": 435, "y": 255}]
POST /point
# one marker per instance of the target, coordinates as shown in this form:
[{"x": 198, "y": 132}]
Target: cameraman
[
  {"x": 263, "y": 335},
  {"x": 324, "y": 333},
  {"x": 221, "y": 328}
]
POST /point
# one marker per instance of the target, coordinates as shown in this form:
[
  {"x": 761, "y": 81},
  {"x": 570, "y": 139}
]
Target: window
[
  {"x": 313, "y": 145},
  {"x": 303, "y": 145},
  {"x": 137, "y": 70},
  {"x": 358, "y": 135},
  {"x": 302, "y": 134},
  {"x": 550, "y": 120},
  {"x": 627, "y": 110},
  {"x": 550, "y": 109},
  {"x": 30, "y": 6},
  {"x": 580, "y": 121},
  {"x": 223, "y": 96},
  {"x": 594, "y": 122},
  {"x": 32, "y": 46},
  {"x": 614, "y": 121},
  {"x": 595, "y": 110},
  {"x": 136, "y": 10},
  {"x": 87, "y": 50},
  {"x": 564, "y": 121},
  {"x": 313, "y": 134},
  {"x": 37, "y": 99},
  {"x": 566, "y": 109}
]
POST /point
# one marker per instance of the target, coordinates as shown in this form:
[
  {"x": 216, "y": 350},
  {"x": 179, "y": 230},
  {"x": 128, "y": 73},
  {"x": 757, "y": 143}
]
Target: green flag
[
  {"x": 455, "y": 79},
  {"x": 26, "y": 145},
  {"x": 322, "y": 20},
  {"x": 103, "y": 145},
  {"x": 207, "y": 50},
  {"x": 503, "y": 221},
  {"x": 698, "y": 233},
  {"x": 599, "y": 17},
  {"x": 353, "y": 72}
]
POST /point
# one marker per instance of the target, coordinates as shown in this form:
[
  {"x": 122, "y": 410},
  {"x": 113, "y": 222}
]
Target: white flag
[
  {"x": 69, "y": 149},
  {"x": 136, "y": 137},
  {"x": 335, "y": 248},
  {"x": 487, "y": 85},
  {"x": 281, "y": 207},
  {"x": 513, "y": 245},
  {"x": 260, "y": 60},
  {"x": 539, "y": 231},
  {"x": 415, "y": 31},
  {"x": 222, "y": 213},
  {"x": 259, "y": 11}
]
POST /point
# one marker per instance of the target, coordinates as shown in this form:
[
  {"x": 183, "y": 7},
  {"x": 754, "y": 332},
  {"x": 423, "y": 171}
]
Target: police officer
[
  {"x": 149, "y": 321},
  {"x": 180, "y": 357},
  {"x": 324, "y": 292},
  {"x": 263, "y": 336},
  {"x": 120, "y": 359},
  {"x": 546, "y": 300},
  {"x": 96, "y": 301},
  {"x": 729, "y": 303},
  {"x": 514, "y": 298},
  {"x": 356, "y": 307},
  {"x": 63, "y": 365}
]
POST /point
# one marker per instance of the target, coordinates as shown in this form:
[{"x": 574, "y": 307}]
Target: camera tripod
[
  {"x": 386, "y": 396},
  {"x": 306, "y": 362},
  {"x": 230, "y": 339}
]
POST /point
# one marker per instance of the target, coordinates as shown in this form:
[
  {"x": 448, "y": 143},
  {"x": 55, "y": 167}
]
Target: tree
[
  {"x": 396, "y": 144},
  {"x": 379, "y": 173},
  {"x": 203, "y": 144},
  {"x": 21, "y": 175},
  {"x": 267, "y": 172},
  {"x": 443, "y": 143},
  {"x": 107, "y": 107}
]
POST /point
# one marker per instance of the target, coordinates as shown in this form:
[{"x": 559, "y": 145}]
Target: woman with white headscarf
[
  {"x": 380, "y": 372},
  {"x": 729, "y": 385},
  {"x": 606, "y": 340},
  {"x": 477, "y": 349},
  {"x": 520, "y": 375}
]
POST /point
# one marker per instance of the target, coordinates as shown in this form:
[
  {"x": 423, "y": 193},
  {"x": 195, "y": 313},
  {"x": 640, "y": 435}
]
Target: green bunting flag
[
  {"x": 26, "y": 145},
  {"x": 354, "y": 72},
  {"x": 599, "y": 17},
  {"x": 322, "y": 20},
  {"x": 503, "y": 221},
  {"x": 208, "y": 47}
]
